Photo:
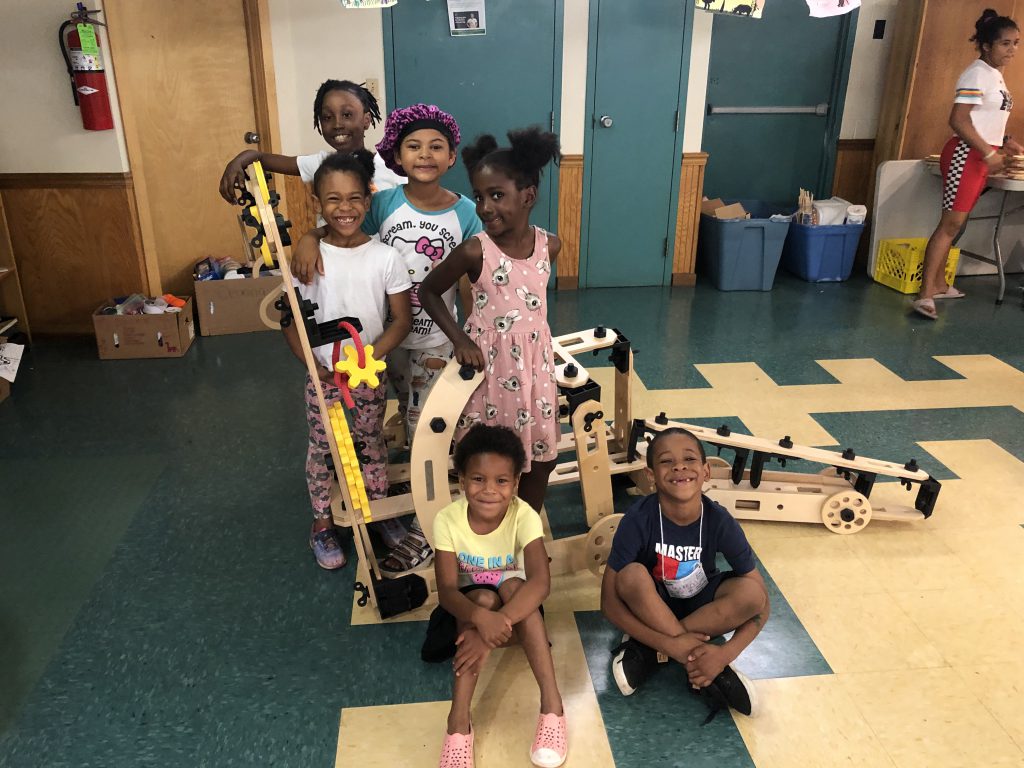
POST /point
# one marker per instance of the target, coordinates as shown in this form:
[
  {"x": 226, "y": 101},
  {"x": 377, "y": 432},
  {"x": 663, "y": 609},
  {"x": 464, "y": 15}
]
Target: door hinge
[
  {"x": 552, "y": 122},
  {"x": 677, "y": 121},
  {"x": 664, "y": 249}
]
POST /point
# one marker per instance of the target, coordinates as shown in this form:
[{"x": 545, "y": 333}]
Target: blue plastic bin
[
  {"x": 742, "y": 254},
  {"x": 821, "y": 254}
]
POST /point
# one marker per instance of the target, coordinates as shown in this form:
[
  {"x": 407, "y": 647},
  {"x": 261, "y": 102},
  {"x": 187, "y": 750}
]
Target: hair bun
[
  {"x": 365, "y": 158},
  {"x": 533, "y": 147},
  {"x": 481, "y": 146}
]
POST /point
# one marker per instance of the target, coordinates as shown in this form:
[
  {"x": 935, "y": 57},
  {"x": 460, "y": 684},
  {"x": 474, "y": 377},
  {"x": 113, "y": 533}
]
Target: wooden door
[
  {"x": 633, "y": 140},
  {"x": 783, "y": 61},
  {"x": 186, "y": 93}
]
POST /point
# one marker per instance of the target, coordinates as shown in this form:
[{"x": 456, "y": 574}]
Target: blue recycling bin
[
  {"x": 820, "y": 254},
  {"x": 742, "y": 254}
]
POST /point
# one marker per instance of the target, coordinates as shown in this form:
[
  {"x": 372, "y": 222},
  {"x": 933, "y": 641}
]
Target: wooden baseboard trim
[
  {"x": 568, "y": 283},
  {"x": 684, "y": 278},
  {"x": 63, "y": 180}
]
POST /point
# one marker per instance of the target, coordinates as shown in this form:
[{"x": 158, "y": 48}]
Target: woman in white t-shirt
[
  {"x": 981, "y": 109},
  {"x": 364, "y": 279},
  {"x": 342, "y": 113}
]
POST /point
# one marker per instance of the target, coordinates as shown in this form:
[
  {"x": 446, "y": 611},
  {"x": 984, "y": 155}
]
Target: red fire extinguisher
[{"x": 81, "y": 50}]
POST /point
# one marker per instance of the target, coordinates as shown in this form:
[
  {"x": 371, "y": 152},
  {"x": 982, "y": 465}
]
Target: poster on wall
[
  {"x": 367, "y": 3},
  {"x": 751, "y": 8},
  {"x": 466, "y": 17},
  {"x": 821, "y": 9}
]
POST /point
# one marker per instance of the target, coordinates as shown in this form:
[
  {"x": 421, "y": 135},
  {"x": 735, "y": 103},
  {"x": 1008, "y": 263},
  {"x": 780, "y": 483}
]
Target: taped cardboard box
[
  {"x": 124, "y": 337},
  {"x": 720, "y": 210},
  {"x": 233, "y": 306}
]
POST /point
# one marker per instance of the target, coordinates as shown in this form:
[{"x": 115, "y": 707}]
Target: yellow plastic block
[{"x": 350, "y": 469}]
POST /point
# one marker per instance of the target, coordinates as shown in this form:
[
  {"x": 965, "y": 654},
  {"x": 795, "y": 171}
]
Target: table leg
[{"x": 997, "y": 250}]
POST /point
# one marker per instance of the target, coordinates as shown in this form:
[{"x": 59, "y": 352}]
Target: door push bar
[{"x": 820, "y": 110}]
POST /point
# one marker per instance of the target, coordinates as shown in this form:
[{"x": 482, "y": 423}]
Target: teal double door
[
  {"x": 776, "y": 88},
  {"x": 508, "y": 78}
]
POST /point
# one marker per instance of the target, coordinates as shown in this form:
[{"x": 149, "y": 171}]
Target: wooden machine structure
[{"x": 838, "y": 497}]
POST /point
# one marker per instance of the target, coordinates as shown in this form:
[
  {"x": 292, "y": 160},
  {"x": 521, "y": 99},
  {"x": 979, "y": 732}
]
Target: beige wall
[
  {"x": 315, "y": 40},
  {"x": 40, "y": 126},
  {"x": 867, "y": 71}
]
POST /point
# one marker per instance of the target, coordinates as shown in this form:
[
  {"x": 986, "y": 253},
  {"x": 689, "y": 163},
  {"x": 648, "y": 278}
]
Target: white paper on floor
[{"x": 10, "y": 359}]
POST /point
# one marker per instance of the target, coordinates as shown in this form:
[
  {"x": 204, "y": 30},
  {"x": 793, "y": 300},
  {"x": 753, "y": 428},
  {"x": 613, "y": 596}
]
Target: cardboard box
[
  {"x": 720, "y": 210},
  {"x": 5, "y": 385},
  {"x": 123, "y": 337},
  {"x": 233, "y": 306}
]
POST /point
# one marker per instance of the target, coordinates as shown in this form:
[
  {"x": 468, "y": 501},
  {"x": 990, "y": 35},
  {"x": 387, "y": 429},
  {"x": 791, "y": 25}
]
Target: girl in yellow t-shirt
[{"x": 492, "y": 576}]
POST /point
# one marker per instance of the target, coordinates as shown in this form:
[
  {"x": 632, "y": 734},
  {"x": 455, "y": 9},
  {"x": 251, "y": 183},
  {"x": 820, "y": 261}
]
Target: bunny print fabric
[{"x": 509, "y": 324}]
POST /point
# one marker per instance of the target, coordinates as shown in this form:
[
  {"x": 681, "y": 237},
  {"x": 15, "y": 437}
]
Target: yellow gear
[
  {"x": 350, "y": 469},
  {"x": 357, "y": 375}
]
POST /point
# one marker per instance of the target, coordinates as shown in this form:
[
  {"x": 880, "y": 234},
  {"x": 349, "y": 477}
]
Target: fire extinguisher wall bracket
[{"x": 85, "y": 68}]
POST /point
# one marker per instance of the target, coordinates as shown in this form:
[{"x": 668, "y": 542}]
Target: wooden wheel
[
  {"x": 846, "y": 512},
  {"x": 599, "y": 543}
]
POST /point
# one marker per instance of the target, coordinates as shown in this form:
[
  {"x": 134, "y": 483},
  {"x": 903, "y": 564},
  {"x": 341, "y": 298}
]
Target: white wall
[
  {"x": 303, "y": 33},
  {"x": 40, "y": 126},
  {"x": 697, "y": 85},
  {"x": 867, "y": 71},
  {"x": 574, "y": 75}
]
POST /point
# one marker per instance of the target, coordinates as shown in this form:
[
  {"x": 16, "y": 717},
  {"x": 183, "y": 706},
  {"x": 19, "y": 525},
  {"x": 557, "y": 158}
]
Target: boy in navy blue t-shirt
[{"x": 663, "y": 589}]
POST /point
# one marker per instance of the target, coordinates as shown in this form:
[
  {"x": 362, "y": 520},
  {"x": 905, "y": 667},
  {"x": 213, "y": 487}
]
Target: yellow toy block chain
[
  {"x": 357, "y": 375},
  {"x": 264, "y": 247},
  {"x": 261, "y": 179},
  {"x": 350, "y": 468}
]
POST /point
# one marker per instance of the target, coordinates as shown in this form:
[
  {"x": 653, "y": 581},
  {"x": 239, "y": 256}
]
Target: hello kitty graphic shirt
[
  {"x": 424, "y": 239},
  {"x": 509, "y": 322},
  {"x": 494, "y": 557}
]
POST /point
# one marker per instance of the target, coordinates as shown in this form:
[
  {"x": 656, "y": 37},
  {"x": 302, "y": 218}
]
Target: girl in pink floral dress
[{"x": 507, "y": 334}]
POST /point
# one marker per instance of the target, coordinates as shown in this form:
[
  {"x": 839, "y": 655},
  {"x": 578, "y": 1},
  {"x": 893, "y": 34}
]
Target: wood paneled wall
[
  {"x": 691, "y": 192},
  {"x": 76, "y": 243},
  {"x": 570, "y": 213},
  {"x": 855, "y": 181}
]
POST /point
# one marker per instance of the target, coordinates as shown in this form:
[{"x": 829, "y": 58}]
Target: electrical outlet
[{"x": 373, "y": 86}]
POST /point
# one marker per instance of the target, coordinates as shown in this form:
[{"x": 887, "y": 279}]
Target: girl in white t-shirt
[
  {"x": 342, "y": 113},
  {"x": 364, "y": 279},
  {"x": 981, "y": 109}
]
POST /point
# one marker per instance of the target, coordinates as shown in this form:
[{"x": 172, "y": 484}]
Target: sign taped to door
[
  {"x": 467, "y": 17},
  {"x": 821, "y": 9},
  {"x": 751, "y": 8}
]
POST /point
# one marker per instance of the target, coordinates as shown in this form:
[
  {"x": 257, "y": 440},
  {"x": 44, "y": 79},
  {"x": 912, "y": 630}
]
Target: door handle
[
  {"x": 605, "y": 121},
  {"x": 818, "y": 109},
  {"x": 251, "y": 137}
]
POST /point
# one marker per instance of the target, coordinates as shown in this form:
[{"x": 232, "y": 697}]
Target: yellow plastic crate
[{"x": 900, "y": 263}]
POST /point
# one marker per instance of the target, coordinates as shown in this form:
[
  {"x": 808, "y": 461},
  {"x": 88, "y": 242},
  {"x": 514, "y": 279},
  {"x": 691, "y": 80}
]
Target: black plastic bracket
[{"x": 927, "y": 495}]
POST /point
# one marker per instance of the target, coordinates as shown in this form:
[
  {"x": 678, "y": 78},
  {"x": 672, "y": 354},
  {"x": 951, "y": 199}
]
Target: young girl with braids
[
  {"x": 342, "y": 113},
  {"x": 365, "y": 279},
  {"x": 423, "y": 221},
  {"x": 507, "y": 332}
]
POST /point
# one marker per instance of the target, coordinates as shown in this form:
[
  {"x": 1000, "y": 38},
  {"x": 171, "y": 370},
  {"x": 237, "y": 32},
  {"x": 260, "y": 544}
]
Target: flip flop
[
  {"x": 950, "y": 293},
  {"x": 926, "y": 307}
]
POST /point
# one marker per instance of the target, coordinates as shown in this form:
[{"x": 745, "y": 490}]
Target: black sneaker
[
  {"x": 632, "y": 663},
  {"x": 729, "y": 689}
]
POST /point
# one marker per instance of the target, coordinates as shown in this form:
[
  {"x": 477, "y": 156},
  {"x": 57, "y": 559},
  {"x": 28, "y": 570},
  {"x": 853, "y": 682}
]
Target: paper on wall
[
  {"x": 10, "y": 359},
  {"x": 367, "y": 3},
  {"x": 751, "y": 8},
  {"x": 467, "y": 17},
  {"x": 821, "y": 9}
]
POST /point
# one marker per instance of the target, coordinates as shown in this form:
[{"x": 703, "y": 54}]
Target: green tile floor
[{"x": 158, "y": 602}]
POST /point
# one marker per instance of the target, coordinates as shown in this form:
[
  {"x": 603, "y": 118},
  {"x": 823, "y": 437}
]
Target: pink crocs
[
  {"x": 549, "y": 745},
  {"x": 457, "y": 750}
]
